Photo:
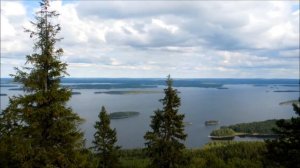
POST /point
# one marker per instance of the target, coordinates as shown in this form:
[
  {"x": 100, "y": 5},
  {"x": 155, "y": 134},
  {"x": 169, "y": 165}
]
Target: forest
[
  {"x": 38, "y": 129},
  {"x": 222, "y": 154},
  {"x": 259, "y": 127}
]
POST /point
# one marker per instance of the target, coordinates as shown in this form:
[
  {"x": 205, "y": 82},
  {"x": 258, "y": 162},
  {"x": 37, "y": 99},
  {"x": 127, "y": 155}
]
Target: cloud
[
  {"x": 133, "y": 9},
  {"x": 155, "y": 38},
  {"x": 15, "y": 44},
  {"x": 152, "y": 33},
  {"x": 12, "y": 9},
  {"x": 290, "y": 53}
]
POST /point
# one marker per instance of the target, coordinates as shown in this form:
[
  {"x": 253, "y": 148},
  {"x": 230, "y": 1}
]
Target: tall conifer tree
[
  {"x": 37, "y": 129},
  {"x": 104, "y": 143},
  {"x": 164, "y": 143}
]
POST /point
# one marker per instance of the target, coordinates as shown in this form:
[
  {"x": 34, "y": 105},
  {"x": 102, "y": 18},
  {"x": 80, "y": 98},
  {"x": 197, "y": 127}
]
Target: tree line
[{"x": 37, "y": 129}]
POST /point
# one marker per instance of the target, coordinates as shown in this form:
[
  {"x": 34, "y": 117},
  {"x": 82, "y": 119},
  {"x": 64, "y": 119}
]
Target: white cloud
[
  {"x": 7, "y": 30},
  {"x": 246, "y": 60},
  {"x": 14, "y": 42},
  {"x": 12, "y": 9},
  {"x": 155, "y": 38},
  {"x": 171, "y": 28}
]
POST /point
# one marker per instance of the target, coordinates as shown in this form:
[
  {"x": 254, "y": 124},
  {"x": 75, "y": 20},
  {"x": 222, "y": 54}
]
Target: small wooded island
[
  {"x": 211, "y": 122},
  {"x": 3, "y": 94},
  {"x": 261, "y": 129},
  {"x": 123, "y": 114},
  {"x": 222, "y": 134}
]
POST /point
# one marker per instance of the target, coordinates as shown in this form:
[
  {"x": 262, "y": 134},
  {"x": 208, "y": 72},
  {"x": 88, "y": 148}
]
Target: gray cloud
[{"x": 134, "y": 9}]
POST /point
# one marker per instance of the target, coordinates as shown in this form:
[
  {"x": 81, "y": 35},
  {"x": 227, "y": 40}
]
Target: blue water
[{"x": 244, "y": 100}]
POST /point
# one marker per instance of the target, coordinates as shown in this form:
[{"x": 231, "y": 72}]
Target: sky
[{"x": 151, "y": 39}]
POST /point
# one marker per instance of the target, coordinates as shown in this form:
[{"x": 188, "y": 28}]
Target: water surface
[{"x": 241, "y": 102}]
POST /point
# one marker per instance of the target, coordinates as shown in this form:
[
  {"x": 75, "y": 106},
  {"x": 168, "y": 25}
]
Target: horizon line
[{"x": 165, "y": 78}]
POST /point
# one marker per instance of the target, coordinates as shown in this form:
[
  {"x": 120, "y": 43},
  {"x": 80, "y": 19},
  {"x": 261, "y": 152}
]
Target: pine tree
[
  {"x": 37, "y": 129},
  {"x": 164, "y": 143},
  {"x": 104, "y": 143},
  {"x": 285, "y": 150}
]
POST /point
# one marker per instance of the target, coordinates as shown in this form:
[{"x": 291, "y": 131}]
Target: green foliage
[
  {"x": 104, "y": 143},
  {"x": 136, "y": 153},
  {"x": 134, "y": 158},
  {"x": 261, "y": 127},
  {"x": 217, "y": 144},
  {"x": 223, "y": 132},
  {"x": 37, "y": 129},
  {"x": 164, "y": 142},
  {"x": 223, "y": 154},
  {"x": 285, "y": 150},
  {"x": 228, "y": 155},
  {"x": 134, "y": 163}
]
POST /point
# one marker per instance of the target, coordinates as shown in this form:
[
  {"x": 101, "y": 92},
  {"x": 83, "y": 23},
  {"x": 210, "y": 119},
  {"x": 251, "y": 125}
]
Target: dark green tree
[
  {"x": 285, "y": 150},
  {"x": 104, "y": 143},
  {"x": 37, "y": 129},
  {"x": 164, "y": 143}
]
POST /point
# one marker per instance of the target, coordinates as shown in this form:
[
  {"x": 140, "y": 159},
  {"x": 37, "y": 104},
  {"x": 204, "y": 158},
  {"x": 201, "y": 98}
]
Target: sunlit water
[{"x": 239, "y": 103}]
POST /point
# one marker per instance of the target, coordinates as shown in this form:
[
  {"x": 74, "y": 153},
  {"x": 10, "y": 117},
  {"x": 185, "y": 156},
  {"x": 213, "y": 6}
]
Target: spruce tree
[
  {"x": 37, "y": 128},
  {"x": 104, "y": 143},
  {"x": 285, "y": 150},
  {"x": 164, "y": 143}
]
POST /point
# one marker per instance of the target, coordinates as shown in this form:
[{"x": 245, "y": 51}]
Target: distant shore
[{"x": 129, "y": 92}]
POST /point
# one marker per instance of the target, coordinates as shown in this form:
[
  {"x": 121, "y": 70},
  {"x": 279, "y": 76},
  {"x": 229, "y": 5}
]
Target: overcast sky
[{"x": 192, "y": 39}]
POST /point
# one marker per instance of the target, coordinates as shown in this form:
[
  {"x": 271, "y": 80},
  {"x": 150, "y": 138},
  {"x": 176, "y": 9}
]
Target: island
[
  {"x": 222, "y": 134},
  {"x": 286, "y": 91},
  {"x": 211, "y": 122},
  {"x": 290, "y": 102},
  {"x": 129, "y": 92},
  {"x": 261, "y": 85},
  {"x": 109, "y": 86},
  {"x": 16, "y": 89},
  {"x": 3, "y": 94},
  {"x": 8, "y": 85},
  {"x": 222, "y": 88},
  {"x": 123, "y": 114},
  {"x": 76, "y": 93},
  {"x": 260, "y": 129}
]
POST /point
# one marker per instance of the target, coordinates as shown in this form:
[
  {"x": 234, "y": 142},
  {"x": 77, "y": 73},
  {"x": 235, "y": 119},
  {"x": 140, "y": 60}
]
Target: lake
[{"x": 230, "y": 101}]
